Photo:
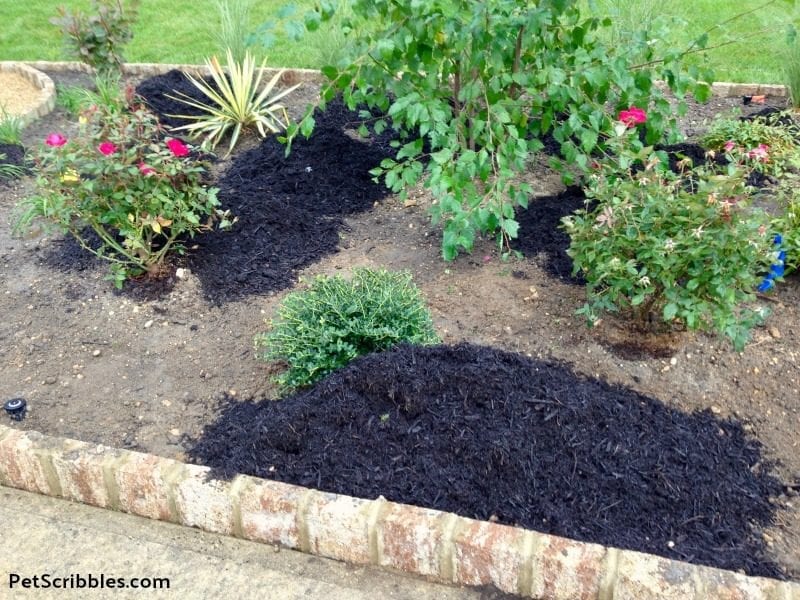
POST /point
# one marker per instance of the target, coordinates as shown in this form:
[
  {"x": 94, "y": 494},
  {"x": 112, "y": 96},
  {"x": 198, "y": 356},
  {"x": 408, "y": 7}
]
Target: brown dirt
[{"x": 116, "y": 369}]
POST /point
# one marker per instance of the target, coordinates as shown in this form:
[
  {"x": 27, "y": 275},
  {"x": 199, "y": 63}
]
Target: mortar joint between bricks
[
  {"x": 699, "y": 585},
  {"x": 377, "y": 510},
  {"x": 45, "y": 457},
  {"x": 172, "y": 474},
  {"x": 234, "y": 493},
  {"x": 610, "y": 567},
  {"x": 447, "y": 558},
  {"x": 526, "y": 548},
  {"x": 304, "y": 538}
]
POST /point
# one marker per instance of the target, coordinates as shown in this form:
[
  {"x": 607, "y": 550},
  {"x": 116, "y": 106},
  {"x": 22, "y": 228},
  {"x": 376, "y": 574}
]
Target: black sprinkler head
[{"x": 16, "y": 408}]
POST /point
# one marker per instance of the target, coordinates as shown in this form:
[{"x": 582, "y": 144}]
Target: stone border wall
[
  {"x": 290, "y": 76},
  {"x": 722, "y": 89},
  {"x": 47, "y": 90},
  {"x": 440, "y": 546}
]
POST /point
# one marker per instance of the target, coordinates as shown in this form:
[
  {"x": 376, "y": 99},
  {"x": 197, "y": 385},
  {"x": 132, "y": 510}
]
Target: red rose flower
[
  {"x": 55, "y": 140},
  {"x": 107, "y": 148},
  {"x": 177, "y": 147},
  {"x": 633, "y": 116},
  {"x": 146, "y": 170}
]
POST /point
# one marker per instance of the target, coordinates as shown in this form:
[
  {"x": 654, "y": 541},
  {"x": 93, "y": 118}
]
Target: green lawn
[{"x": 186, "y": 36}]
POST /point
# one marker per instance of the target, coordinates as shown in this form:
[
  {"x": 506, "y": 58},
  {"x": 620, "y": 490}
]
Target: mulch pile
[
  {"x": 541, "y": 238},
  {"x": 154, "y": 91},
  {"x": 11, "y": 154},
  {"x": 491, "y": 434},
  {"x": 290, "y": 209}
]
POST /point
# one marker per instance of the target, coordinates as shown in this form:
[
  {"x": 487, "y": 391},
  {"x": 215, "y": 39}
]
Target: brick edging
[
  {"x": 434, "y": 544},
  {"x": 47, "y": 90},
  {"x": 290, "y": 75},
  {"x": 721, "y": 89}
]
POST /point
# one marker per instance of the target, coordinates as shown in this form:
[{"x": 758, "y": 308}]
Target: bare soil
[{"x": 147, "y": 368}]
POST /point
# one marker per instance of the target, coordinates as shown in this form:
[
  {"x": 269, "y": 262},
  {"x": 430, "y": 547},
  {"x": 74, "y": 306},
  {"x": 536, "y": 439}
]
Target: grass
[{"x": 187, "y": 36}]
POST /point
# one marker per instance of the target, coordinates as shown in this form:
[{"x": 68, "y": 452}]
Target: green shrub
[
  {"x": 475, "y": 87},
  {"x": 238, "y": 102},
  {"x": 791, "y": 70},
  {"x": 768, "y": 144},
  {"x": 97, "y": 38},
  {"x": 9, "y": 171},
  {"x": 11, "y": 127},
  {"x": 787, "y": 223},
  {"x": 669, "y": 248},
  {"x": 324, "y": 327},
  {"x": 143, "y": 196}
]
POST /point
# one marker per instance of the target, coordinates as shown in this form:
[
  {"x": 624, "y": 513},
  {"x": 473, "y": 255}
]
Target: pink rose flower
[
  {"x": 107, "y": 148},
  {"x": 177, "y": 147},
  {"x": 55, "y": 140},
  {"x": 146, "y": 170},
  {"x": 633, "y": 116},
  {"x": 761, "y": 153},
  {"x": 729, "y": 145}
]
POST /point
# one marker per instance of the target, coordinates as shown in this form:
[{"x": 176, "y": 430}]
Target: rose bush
[
  {"x": 139, "y": 195},
  {"x": 667, "y": 248}
]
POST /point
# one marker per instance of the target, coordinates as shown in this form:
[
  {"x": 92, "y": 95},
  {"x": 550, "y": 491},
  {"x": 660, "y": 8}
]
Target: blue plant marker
[{"x": 776, "y": 270}]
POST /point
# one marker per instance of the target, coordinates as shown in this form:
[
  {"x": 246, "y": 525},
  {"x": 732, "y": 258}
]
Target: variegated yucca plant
[{"x": 238, "y": 102}]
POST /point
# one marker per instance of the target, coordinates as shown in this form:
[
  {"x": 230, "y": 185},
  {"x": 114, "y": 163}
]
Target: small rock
[
  {"x": 50, "y": 380},
  {"x": 96, "y": 353},
  {"x": 673, "y": 361},
  {"x": 79, "y": 376},
  {"x": 181, "y": 273},
  {"x": 774, "y": 332},
  {"x": 166, "y": 403},
  {"x": 175, "y": 432},
  {"x": 148, "y": 324},
  {"x": 716, "y": 409}
]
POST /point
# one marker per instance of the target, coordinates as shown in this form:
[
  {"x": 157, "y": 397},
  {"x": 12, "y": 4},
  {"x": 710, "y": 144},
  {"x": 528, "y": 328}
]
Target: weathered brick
[
  {"x": 338, "y": 527},
  {"x": 772, "y": 90},
  {"x": 723, "y": 89},
  {"x": 727, "y": 585},
  {"x": 488, "y": 553},
  {"x": 412, "y": 539},
  {"x": 19, "y": 465},
  {"x": 646, "y": 576},
  {"x": 563, "y": 569},
  {"x": 143, "y": 486},
  {"x": 204, "y": 503},
  {"x": 269, "y": 510},
  {"x": 79, "y": 467}
]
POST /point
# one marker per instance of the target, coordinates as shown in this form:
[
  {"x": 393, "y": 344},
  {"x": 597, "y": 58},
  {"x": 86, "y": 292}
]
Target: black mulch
[
  {"x": 11, "y": 154},
  {"x": 154, "y": 91},
  {"x": 486, "y": 433},
  {"x": 290, "y": 209},
  {"x": 541, "y": 238}
]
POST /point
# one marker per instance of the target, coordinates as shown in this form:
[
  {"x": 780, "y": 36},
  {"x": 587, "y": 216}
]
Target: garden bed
[{"x": 154, "y": 366}]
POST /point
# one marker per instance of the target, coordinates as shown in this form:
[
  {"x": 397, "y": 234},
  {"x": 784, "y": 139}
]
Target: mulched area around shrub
[
  {"x": 154, "y": 91},
  {"x": 11, "y": 154},
  {"x": 290, "y": 209},
  {"x": 540, "y": 235},
  {"x": 494, "y": 435}
]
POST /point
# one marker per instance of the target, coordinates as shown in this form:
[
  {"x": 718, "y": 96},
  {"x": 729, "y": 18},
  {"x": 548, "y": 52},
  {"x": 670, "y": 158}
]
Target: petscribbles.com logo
[{"x": 85, "y": 582}]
